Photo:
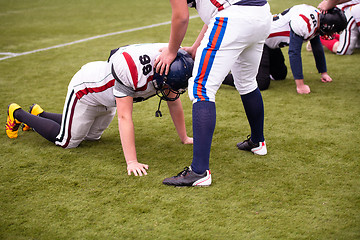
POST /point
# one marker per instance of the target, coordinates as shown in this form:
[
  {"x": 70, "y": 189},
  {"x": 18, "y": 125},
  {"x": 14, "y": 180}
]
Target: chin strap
[{"x": 158, "y": 112}]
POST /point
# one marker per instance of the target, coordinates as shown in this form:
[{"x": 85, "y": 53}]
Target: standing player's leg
[
  {"x": 211, "y": 66},
  {"x": 245, "y": 71}
]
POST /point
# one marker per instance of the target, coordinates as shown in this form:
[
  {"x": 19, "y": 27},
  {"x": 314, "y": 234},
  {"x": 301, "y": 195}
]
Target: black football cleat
[
  {"x": 256, "y": 148},
  {"x": 189, "y": 178}
]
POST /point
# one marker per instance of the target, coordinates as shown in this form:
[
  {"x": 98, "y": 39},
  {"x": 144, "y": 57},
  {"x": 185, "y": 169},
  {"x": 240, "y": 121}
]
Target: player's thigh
[
  {"x": 207, "y": 79},
  {"x": 278, "y": 69},
  {"x": 101, "y": 122},
  {"x": 246, "y": 68},
  {"x": 213, "y": 63},
  {"x": 77, "y": 121}
]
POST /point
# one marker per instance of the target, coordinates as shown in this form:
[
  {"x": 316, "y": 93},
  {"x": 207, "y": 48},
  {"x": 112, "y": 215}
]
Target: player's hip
[{"x": 78, "y": 119}]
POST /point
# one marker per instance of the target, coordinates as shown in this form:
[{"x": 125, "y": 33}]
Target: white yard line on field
[{"x": 11, "y": 55}]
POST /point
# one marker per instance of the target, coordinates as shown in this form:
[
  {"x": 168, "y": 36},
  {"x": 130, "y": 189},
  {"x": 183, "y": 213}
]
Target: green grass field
[{"x": 307, "y": 187}]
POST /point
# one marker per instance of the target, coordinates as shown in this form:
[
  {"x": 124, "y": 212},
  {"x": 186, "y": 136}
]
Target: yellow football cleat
[
  {"x": 12, "y": 125},
  {"x": 34, "y": 109}
]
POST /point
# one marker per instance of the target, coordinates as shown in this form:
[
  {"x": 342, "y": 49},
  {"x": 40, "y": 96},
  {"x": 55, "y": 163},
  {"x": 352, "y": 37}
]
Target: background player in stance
[
  {"x": 291, "y": 28},
  {"x": 349, "y": 39},
  {"x": 232, "y": 38},
  {"x": 100, "y": 88}
]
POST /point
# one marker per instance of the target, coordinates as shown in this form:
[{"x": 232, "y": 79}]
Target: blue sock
[
  {"x": 204, "y": 119},
  {"x": 254, "y": 109}
]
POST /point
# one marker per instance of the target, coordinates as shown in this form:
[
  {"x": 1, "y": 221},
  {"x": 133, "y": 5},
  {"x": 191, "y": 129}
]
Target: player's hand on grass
[
  {"x": 325, "y": 78},
  {"x": 137, "y": 168},
  {"x": 188, "y": 140},
  {"x": 303, "y": 89}
]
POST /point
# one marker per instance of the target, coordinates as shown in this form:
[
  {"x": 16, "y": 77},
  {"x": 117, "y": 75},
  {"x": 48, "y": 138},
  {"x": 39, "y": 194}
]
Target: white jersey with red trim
[
  {"x": 343, "y": 6},
  {"x": 132, "y": 67},
  {"x": 349, "y": 38},
  {"x": 93, "y": 84},
  {"x": 128, "y": 72},
  {"x": 302, "y": 19}
]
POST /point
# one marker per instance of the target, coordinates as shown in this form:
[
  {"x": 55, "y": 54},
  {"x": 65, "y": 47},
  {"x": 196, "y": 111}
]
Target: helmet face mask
[
  {"x": 165, "y": 92},
  {"x": 169, "y": 87}
]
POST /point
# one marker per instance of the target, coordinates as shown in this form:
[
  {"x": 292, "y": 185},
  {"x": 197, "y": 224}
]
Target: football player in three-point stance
[
  {"x": 232, "y": 38},
  {"x": 291, "y": 28},
  {"x": 100, "y": 88}
]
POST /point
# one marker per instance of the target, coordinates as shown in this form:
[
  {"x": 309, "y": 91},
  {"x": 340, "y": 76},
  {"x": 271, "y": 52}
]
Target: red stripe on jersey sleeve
[
  {"x": 280, "y": 34},
  {"x": 132, "y": 67},
  {"x": 307, "y": 22}
]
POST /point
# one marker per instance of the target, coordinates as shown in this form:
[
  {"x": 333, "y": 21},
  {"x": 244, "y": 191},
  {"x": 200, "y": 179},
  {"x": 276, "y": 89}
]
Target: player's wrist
[
  {"x": 299, "y": 82},
  {"x": 131, "y": 162}
]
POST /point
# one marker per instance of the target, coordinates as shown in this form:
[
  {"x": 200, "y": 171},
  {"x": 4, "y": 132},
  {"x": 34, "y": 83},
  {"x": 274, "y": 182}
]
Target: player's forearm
[
  {"x": 299, "y": 82},
  {"x": 177, "y": 115},
  {"x": 127, "y": 137},
  {"x": 328, "y": 4},
  {"x": 179, "y": 24},
  {"x": 200, "y": 37},
  {"x": 319, "y": 55},
  {"x": 295, "y": 55}
]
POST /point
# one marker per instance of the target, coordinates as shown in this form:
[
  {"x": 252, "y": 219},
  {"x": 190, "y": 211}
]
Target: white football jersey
[
  {"x": 302, "y": 19},
  {"x": 129, "y": 72},
  {"x": 343, "y": 6},
  {"x": 93, "y": 84},
  {"x": 133, "y": 67}
]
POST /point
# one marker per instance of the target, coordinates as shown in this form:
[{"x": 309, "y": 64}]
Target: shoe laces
[
  {"x": 184, "y": 172},
  {"x": 250, "y": 142}
]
